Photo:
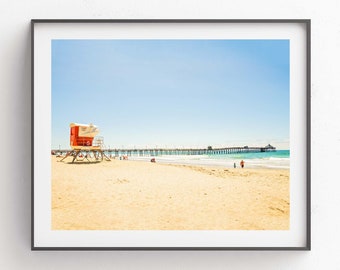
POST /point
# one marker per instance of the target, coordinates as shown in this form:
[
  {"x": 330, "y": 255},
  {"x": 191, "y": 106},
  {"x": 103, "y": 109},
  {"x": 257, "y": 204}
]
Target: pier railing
[{"x": 182, "y": 151}]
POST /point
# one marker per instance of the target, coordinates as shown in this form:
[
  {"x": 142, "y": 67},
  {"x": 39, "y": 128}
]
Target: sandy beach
[{"x": 139, "y": 195}]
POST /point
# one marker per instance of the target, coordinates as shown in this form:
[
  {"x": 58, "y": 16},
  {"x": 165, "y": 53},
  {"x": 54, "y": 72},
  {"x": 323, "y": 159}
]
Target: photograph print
[{"x": 169, "y": 134}]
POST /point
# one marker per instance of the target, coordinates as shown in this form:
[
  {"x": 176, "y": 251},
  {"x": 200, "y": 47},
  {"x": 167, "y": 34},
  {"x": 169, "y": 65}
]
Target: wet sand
[{"x": 138, "y": 195}]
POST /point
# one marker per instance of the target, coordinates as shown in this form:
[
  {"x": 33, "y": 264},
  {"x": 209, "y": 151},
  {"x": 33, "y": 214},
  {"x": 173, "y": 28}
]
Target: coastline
[
  {"x": 140, "y": 195},
  {"x": 218, "y": 162}
]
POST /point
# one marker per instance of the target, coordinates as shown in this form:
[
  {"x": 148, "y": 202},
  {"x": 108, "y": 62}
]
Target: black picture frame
[{"x": 36, "y": 126}]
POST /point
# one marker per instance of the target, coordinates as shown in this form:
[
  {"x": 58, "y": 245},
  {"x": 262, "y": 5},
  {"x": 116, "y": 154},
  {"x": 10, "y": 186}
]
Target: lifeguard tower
[{"x": 84, "y": 143}]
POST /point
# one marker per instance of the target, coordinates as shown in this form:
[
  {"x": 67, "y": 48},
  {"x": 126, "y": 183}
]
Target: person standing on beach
[{"x": 242, "y": 163}]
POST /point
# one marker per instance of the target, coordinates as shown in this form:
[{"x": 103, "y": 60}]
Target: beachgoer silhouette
[
  {"x": 234, "y": 165},
  {"x": 242, "y": 163}
]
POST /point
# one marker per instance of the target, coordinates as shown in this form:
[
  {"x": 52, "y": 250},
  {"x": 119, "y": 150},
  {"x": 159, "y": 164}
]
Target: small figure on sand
[
  {"x": 234, "y": 165},
  {"x": 242, "y": 163},
  {"x": 153, "y": 160}
]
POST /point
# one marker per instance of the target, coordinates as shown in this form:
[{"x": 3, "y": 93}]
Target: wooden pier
[{"x": 180, "y": 151}]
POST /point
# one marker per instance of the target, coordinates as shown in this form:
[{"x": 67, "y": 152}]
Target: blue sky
[{"x": 172, "y": 93}]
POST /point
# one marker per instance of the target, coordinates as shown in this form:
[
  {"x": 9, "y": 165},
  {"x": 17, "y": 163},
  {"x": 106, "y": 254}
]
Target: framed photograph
[{"x": 171, "y": 134}]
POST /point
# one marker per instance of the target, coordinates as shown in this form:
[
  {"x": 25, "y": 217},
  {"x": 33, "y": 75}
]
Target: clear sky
[{"x": 172, "y": 93}]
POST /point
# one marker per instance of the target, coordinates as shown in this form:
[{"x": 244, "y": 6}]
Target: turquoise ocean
[{"x": 277, "y": 159}]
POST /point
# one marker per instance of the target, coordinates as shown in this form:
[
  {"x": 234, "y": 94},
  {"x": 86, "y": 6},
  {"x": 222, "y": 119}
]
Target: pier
[{"x": 153, "y": 152}]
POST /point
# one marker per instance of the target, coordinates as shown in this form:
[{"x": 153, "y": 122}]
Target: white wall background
[{"x": 15, "y": 126}]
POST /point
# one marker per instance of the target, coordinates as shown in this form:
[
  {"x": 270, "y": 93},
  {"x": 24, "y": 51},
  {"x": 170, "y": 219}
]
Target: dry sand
[{"x": 136, "y": 195}]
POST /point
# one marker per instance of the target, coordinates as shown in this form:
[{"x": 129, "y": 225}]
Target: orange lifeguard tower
[
  {"x": 82, "y": 135},
  {"x": 85, "y": 144}
]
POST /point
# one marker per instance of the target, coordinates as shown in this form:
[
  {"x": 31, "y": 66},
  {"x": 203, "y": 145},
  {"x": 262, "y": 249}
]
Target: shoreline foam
[{"x": 270, "y": 163}]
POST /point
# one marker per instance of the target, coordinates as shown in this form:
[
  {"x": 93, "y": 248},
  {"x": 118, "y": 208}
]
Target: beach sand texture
[{"x": 137, "y": 195}]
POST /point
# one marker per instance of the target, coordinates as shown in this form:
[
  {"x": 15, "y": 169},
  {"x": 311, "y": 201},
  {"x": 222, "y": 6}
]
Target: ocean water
[{"x": 278, "y": 159}]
